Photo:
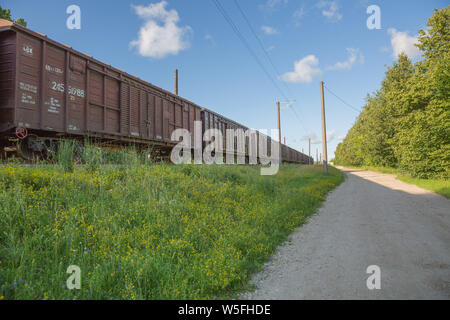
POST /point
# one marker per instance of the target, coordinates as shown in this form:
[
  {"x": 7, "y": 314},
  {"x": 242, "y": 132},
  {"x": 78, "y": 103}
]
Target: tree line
[
  {"x": 406, "y": 123},
  {"x": 6, "y": 14}
]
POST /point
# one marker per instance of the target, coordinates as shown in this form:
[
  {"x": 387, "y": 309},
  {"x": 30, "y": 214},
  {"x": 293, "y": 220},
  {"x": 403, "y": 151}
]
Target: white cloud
[
  {"x": 305, "y": 70},
  {"x": 313, "y": 137},
  {"x": 298, "y": 15},
  {"x": 269, "y": 30},
  {"x": 160, "y": 35},
  {"x": 331, "y": 135},
  {"x": 354, "y": 55},
  {"x": 274, "y": 3},
  {"x": 316, "y": 140},
  {"x": 402, "y": 42},
  {"x": 330, "y": 10},
  {"x": 210, "y": 39}
]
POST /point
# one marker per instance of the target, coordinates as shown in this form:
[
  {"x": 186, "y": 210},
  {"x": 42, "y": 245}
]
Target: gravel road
[{"x": 370, "y": 219}]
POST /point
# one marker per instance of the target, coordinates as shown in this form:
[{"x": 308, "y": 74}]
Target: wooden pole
[
  {"x": 324, "y": 131},
  {"x": 279, "y": 129},
  {"x": 284, "y": 140},
  {"x": 176, "y": 82}
]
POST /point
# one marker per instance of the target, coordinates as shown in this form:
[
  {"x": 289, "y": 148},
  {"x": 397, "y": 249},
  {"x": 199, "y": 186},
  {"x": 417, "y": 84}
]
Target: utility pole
[
  {"x": 279, "y": 129},
  {"x": 317, "y": 155},
  {"x": 324, "y": 132},
  {"x": 309, "y": 151},
  {"x": 176, "y": 82},
  {"x": 320, "y": 158},
  {"x": 284, "y": 139}
]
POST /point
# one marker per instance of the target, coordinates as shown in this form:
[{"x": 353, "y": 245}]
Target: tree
[
  {"x": 406, "y": 124},
  {"x": 435, "y": 41},
  {"x": 6, "y": 14},
  {"x": 423, "y": 145}
]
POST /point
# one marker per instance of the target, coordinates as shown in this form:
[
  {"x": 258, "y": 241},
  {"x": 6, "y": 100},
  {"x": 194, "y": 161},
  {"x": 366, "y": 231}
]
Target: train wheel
[{"x": 31, "y": 148}]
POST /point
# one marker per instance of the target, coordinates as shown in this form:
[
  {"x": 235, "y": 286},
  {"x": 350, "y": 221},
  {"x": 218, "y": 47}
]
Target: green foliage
[
  {"x": 406, "y": 124},
  {"x": 68, "y": 153},
  {"x": 6, "y": 14},
  {"x": 65, "y": 155},
  {"x": 441, "y": 187},
  {"x": 154, "y": 231}
]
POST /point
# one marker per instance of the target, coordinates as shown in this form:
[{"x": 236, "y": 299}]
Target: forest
[{"x": 405, "y": 124}]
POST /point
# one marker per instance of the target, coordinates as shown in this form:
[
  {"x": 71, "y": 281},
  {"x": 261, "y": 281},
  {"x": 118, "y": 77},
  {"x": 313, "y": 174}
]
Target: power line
[
  {"x": 301, "y": 122},
  {"x": 244, "y": 41},
  {"x": 260, "y": 43},
  {"x": 290, "y": 106},
  {"x": 237, "y": 31},
  {"x": 342, "y": 100},
  {"x": 268, "y": 58}
]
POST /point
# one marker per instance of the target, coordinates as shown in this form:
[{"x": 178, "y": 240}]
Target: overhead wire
[
  {"x": 260, "y": 43},
  {"x": 236, "y": 30},
  {"x": 247, "y": 20},
  {"x": 239, "y": 34},
  {"x": 342, "y": 100}
]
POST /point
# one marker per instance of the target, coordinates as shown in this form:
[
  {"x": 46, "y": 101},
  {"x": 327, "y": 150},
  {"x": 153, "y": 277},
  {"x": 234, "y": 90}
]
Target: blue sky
[{"x": 307, "y": 41}]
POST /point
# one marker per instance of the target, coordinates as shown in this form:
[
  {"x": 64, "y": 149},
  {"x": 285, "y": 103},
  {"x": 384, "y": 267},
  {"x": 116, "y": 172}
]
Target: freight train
[{"x": 50, "y": 92}]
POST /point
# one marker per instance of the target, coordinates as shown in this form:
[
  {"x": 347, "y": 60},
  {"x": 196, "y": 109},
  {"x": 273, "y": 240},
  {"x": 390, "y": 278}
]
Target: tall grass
[
  {"x": 64, "y": 155},
  {"x": 155, "y": 231},
  {"x": 93, "y": 157}
]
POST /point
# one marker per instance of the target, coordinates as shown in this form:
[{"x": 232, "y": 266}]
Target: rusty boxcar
[{"x": 49, "y": 91}]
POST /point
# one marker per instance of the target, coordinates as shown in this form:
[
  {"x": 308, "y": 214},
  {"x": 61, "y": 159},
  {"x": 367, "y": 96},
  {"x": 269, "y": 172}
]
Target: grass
[
  {"x": 441, "y": 187},
  {"x": 146, "y": 231}
]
